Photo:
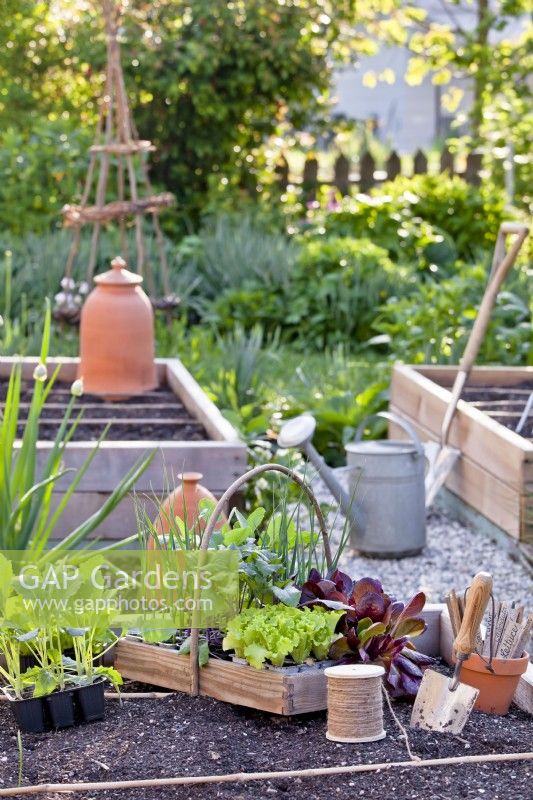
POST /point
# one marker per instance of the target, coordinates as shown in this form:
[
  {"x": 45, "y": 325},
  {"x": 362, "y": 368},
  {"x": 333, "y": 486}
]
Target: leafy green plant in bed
[
  {"x": 407, "y": 238},
  {"x": 374, "y": 628},
  {"x": 275, "y": 633},
  {"x": 339, "y": 391},
  {"x": 469, "y": 215},
  {"x": 334, "y": 289},
  {"x": 27, "y": 518},
  {"x": 432, "y": 324}
]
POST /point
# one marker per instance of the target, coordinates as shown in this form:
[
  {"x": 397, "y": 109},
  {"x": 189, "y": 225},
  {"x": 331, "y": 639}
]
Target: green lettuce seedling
[{"x": 274, "y": 633}]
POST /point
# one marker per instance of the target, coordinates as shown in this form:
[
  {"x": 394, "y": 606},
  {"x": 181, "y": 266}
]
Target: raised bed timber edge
[
  {"x": 278, "y": 691},
  {"x": 494, "y": 473},
  {"x": 220, "y": 457}
]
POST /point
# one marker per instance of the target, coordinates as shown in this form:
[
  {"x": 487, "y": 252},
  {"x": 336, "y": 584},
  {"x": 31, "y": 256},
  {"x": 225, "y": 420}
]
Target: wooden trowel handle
[{"x": 477, "y": 599}]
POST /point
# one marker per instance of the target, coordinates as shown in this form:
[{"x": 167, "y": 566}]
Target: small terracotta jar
[
  {"x": 184, "y": 502},
  {"x": 117, "y": 352},
  {"x": 496, "y": 689}
]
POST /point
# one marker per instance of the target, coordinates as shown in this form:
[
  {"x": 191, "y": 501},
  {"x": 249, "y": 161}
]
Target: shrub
[
  {"x": 232, "y": 253},
  {"x": 339, "y": 391},
  {"x": 408, "y": 239},
  {"x": 248, "y": 308},
  {"x": 41, "y": 171},
  {"x": 323, "y": 294},
  {"x": 335, "y": 287},
  {"x": 432, "y": 324},
  {"x": 469, "y": 215},
  {"x": 426, "y": 221}
]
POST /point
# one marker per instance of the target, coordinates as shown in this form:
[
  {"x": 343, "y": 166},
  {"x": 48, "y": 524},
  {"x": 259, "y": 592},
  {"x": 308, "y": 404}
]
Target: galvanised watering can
[{"x": 386, "y": 501}]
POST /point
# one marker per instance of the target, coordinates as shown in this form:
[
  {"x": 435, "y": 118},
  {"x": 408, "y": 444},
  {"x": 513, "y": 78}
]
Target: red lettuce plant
[{"x": 376, "y": 627}]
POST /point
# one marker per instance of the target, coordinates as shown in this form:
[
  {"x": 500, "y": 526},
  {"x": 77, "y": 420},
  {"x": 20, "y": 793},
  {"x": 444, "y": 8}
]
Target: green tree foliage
[
  {"x": 212, "y": 80},
  {"x": 208, "y": 81},
  {"x": 495, "y": 55}
]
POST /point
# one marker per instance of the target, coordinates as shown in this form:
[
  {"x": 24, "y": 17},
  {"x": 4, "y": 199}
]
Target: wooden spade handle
[
  {"x": 477, "y": 599},
  {"x": 501, "y": 265},
  {"x": 491, "y": 293}
]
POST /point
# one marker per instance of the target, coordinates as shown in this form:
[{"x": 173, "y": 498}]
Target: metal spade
[
  {"x": 442, "y": 456},
  {"x": 442, "y": 703}
]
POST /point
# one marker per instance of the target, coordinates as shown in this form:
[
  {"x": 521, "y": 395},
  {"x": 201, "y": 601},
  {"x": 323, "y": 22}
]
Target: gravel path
[{"x": 452, "y": 556}]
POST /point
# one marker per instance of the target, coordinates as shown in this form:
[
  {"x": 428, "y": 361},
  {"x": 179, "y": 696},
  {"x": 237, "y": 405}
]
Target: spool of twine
[{"x": 355, "y": 703}]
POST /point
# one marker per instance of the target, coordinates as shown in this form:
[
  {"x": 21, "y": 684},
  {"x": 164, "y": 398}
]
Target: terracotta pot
[
  {"x": 117, "y": 336},
  {"x": 495, "y": 690},
  {"x": 183, "y": 502}
]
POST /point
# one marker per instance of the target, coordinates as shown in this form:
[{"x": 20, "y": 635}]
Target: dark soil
[
  {"x": 153, "y": 416},
  {"x": 180, "y": 735},
  {"x": 505, "y": 404}
]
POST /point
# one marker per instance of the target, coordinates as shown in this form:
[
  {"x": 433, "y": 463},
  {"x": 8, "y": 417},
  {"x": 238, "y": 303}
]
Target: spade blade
[
  {"x": 441, "y": 462},
  {"x": 436, "y": 708}
]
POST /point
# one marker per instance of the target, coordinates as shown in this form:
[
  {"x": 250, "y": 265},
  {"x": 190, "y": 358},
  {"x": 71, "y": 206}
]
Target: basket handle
[{"x": 206, "y": 536}]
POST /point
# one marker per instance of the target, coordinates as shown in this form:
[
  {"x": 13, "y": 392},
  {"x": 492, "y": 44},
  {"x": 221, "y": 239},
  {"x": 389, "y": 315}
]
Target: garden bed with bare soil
[
  {"x": 154, "y": 416},
  {"x": 177, "y": 420},
  {"x": 494, "y": 471},
  {"x": 503, "y": 404},
  {"x": 180, "y": 735}
]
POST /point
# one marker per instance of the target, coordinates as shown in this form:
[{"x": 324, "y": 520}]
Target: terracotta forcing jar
[
  {"x": 117, "y": 336},
  {"x": 184, "y": 503}
]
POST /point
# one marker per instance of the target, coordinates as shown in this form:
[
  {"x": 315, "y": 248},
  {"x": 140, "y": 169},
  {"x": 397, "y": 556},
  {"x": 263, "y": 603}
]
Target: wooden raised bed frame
[
  {"x": 494, "y": 473},
  {"x": 275, "y": 691},
  {"x": 220, "y": 458}
]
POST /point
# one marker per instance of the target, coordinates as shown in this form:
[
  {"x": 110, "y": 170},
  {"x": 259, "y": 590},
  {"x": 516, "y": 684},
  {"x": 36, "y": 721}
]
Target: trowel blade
[{"x": 436, "y": 708}]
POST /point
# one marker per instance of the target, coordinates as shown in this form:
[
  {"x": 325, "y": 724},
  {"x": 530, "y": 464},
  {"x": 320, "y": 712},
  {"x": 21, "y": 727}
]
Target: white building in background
[{"x": 407, "y": 117}]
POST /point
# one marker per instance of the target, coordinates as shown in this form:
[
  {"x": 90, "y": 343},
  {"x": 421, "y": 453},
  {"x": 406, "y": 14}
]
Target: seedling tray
[
  {"x": 279, "y": 691},
  {"x": 494, "y": 473}
]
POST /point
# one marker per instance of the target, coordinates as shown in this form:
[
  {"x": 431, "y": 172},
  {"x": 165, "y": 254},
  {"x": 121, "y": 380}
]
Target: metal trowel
[{"x": 442, "y": 703}]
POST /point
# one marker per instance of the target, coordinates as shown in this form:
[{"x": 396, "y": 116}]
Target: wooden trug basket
[{"x": 286, "y": 690}]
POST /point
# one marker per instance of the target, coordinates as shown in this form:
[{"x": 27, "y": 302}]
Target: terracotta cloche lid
[{"x": 118, "y": 275}]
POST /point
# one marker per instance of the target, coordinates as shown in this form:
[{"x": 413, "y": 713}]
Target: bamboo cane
[
  {"x": 242, "y": 777},
  {"x": 121, "y": 696}
]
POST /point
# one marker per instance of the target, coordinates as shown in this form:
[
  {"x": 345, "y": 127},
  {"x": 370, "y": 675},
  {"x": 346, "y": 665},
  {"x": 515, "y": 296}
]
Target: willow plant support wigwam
[{"x": 116, "y": 142}]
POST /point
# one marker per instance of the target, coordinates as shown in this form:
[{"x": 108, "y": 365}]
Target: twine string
[
  {"x": 355, "y": 709},
  {"x": 402, "y": 728}
]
